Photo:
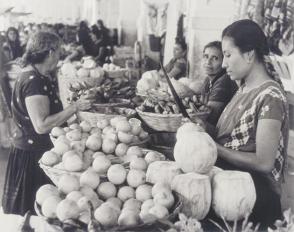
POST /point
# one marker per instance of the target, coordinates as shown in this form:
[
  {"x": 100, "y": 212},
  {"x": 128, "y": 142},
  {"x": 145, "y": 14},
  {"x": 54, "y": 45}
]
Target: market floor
[{"x": 287, "y": 199}]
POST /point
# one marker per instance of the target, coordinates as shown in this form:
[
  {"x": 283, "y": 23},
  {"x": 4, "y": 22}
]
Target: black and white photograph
[{"x": 147, "y": 115}]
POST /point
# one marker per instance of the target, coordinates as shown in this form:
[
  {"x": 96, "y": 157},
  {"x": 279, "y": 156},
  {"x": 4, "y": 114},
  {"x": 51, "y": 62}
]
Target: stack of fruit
[
  {"x": 75, "y": 146},
  {"x": 193, "y": 104},
  {"x": 117, "y": 191}
]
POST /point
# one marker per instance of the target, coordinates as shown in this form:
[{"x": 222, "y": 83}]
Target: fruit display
[
  {"x": 76, "y": 146},
  {"x": 102, "y": 93},
  {"x": 166, "y": 105},
  {"x": 112, "y": 188}
]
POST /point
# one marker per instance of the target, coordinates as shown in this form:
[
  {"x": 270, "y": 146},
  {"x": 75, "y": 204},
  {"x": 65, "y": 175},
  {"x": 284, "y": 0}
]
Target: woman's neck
[
  {"x": 42, "y": 69},
  {"x": 256, "y": 77}
]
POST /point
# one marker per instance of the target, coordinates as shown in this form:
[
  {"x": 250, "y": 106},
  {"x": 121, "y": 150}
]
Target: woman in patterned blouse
[
  {"x": 252, "y": 132},
  {"x": 36, "y": 109}
]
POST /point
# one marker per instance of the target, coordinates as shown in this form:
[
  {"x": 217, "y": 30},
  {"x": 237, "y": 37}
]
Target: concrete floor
[{"x": 288, "y": 187}]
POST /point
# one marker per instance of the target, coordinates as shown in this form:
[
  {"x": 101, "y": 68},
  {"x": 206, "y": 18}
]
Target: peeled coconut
[
  {"x": 46, "y": 191},
  {"x": 49, "y": 206},
  {"x": 57, "y": 131},
  {"x": 106, "y": 190},
  {"x": 136, "y": 178},
  {"x": 117, "y": 174},
  {"x": 125, "y": 192},
  {"x": 94, "y": 142},
  {"x": 101, "y": 164},
  {"x": 90, "y": 178},
  {"x": 143, "y": 192},
  {"x": 50, "y": 158},
  {"x": 68, "y": 183},
  {"x": 73, "y": 164},
  {"x": 67, "y": 209},
  {"x": 121, "y": 149},
  {"x": 106, "y": 215}
]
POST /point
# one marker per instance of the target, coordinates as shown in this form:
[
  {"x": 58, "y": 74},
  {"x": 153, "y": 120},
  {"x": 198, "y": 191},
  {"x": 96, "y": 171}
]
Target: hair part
[{"x": 214, "y": 44}]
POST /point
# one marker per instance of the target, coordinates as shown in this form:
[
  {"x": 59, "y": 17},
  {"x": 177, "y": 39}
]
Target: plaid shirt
[{"x": 246, "y": 127}]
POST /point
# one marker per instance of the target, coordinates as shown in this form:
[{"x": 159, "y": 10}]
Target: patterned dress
[
  {"x": 236, "y": 129},
  {"x": 23, "y": 174}
]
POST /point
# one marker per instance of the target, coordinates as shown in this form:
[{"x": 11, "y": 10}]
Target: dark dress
[
  {"x": 236, "y": 129},
  {"x": 220, "y": 89},
  {"x": 23, "y": 174}
]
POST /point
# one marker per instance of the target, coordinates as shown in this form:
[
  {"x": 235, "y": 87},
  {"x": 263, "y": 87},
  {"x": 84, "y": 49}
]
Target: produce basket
[
  {"x": 55, "y": 173},
  {"x": 167, "y": 122},
  {"x": 100, "y": 113},
  {"x": 64, "y": 83},
  {"x": 78, "y": 226},
  {"x": 114, "y": 102}
]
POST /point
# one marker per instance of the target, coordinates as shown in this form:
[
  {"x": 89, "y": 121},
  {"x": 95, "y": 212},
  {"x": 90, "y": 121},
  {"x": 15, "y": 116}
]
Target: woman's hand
[{"x": 83, "y": 104}]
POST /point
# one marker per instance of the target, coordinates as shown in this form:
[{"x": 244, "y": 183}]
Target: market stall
[{"x": 133, "y": 148}]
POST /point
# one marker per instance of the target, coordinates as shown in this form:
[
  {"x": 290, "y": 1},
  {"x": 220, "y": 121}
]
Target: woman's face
[
  {"x": 234, "y": 61},
  {"x": 54, "y": 58},
  {"x": 12, "y": 35},
  {"x": 212, "y": 61},
  {"x": 178, "y": 51}
]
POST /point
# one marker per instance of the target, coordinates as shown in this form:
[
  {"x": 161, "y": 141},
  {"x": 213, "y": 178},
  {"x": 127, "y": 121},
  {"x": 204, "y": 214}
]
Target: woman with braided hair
[
  {"x": 252, "y": 131},
  {"x": 36, "y": 109}
]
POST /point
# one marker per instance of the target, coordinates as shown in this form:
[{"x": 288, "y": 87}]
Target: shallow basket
[
  {"x": 78, "y": 226},
  {"x": 94, "y": 117},
  {"x": 55, "y": 173},
  {"x": 167, "y": 122}
]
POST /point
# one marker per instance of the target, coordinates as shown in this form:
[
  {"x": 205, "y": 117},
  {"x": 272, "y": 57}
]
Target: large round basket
[
  {"x": 78, "y": 226},
  {"x": 167, "y": 122},
  {"x": 55, "y": 173},
  {"x": 94, "y": 117}
]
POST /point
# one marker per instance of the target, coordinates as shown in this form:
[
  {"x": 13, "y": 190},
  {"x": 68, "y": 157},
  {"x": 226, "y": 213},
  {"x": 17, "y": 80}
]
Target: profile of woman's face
[
  {"x": 11, "y": 35},
  {"x": 234, "y": 61},
  {"x": 212, "y": 61},
  {"x": 23, "y": 38}
]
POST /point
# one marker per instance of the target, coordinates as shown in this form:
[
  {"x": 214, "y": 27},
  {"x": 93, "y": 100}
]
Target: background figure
[
  {"x": 5, "y": 99},
  {"x": 218, "y": 89},
  {"x": 83, "y": 37},
  {"x": 12, "y": 47}
]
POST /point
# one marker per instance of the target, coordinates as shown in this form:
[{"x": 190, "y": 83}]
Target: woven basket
[
  {"x": 94, "y": 117},
  {"x": 167, "y": 122},
  {"x": 78, "y": 226},
  {"x": 54, "y": 173},
  {"x": 64, "y": 82}
]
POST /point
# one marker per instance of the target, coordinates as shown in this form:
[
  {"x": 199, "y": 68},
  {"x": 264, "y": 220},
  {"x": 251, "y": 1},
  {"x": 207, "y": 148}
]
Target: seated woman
[
  {"x": 12, "y": 48},
  {"x": 252, "y": 132},
  {"x": 177, "y": 66},
  {"x": 217, "y": 89}
]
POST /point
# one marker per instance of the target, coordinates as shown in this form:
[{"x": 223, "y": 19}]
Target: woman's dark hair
[
  {"x": 214, "y": 44},
  {"x": 15, "y": 31},
  {"x": 100, "y": 21},
  {"x": 247, "y": 36},
  {"x": 83, "y": 25},
  {"x": 39, "y": 46},
  {"x": 182, "y": 43}
]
